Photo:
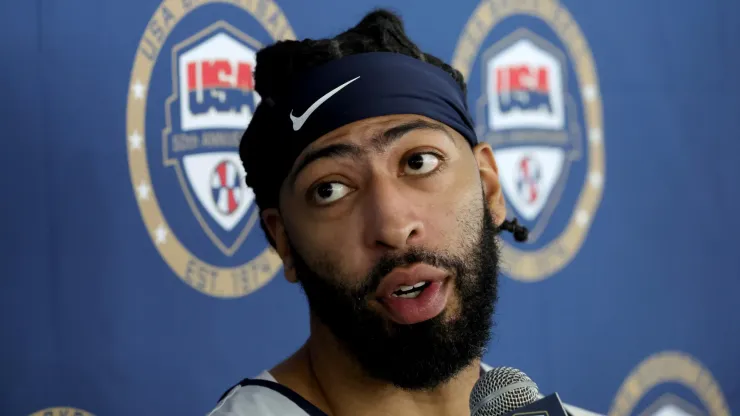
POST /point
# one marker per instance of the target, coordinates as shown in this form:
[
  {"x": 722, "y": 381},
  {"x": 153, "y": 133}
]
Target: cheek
[
  {"x": 456, "y": 212},
  {"x": 332, "y": 249}
]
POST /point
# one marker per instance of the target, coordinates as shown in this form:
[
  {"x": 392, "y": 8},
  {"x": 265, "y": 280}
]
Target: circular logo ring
[
  {"x": 669, "y": 367},
  {"x": 225, "y": 282},
  {"x": 535, "y": 266},
  {"x": 62, "y": 411}
]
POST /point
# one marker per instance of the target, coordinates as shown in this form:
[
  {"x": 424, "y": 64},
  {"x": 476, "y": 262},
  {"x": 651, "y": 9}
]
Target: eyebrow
[{"x": 378, "y": 143}]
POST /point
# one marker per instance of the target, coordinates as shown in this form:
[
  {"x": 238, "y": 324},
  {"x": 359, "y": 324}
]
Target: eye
[
  {"x": 328, "y": 192},
  {"x": 422, "y": 163}
]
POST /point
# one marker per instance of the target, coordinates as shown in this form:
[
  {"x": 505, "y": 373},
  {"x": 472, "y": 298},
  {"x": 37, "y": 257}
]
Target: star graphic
[
  {"x": 139, "y": 89},
  {"x": 160, "y": 234},
  {"x": 135, "y": 140},
  {"x": 596, "y": 179},
  {"x": 143, "y": 191},
  {"x": 590, "y": 92}
]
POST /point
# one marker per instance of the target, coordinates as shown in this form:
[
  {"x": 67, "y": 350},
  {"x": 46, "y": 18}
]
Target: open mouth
[
  {"x": 416, "y": 303},
  {"x": 414, "y": 294}
]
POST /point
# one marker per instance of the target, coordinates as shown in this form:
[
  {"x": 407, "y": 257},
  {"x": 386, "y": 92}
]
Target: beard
[{"x": 423, "y": 355}]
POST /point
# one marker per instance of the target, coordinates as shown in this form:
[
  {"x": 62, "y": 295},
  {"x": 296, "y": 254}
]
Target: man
[{"x": 384, "y": 207}]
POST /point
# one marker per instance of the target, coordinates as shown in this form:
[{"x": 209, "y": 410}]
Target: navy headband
[{"x": 352, "y": 88}]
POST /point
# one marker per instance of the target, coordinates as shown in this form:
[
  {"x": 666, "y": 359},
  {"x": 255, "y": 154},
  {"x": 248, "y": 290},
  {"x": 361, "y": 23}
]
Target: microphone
[{"x": 506, "y": 391}]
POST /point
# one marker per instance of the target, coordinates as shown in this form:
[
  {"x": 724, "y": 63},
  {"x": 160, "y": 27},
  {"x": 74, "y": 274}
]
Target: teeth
[
  {"x": 408, "y": 295},
  {"x": 413, "y": 292},
  {"x": 406, "y": 288}
]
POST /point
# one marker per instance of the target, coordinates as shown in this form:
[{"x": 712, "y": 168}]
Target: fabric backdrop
[{"x": 136, "y": 280}]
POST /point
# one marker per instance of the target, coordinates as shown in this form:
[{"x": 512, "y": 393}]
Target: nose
[{"x": 392, "y": 220}]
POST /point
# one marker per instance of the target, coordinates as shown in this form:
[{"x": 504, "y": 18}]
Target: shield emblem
[
  {"x": 212, "y": 104},
  {"x": 527, "y": 116}
]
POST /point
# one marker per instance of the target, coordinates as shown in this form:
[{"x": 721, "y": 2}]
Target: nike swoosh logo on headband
[{"x": 298, "y": 121}]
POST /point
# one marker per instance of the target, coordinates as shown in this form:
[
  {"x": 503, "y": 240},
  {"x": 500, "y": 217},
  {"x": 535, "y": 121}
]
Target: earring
[{"x": 521, "y": 233}]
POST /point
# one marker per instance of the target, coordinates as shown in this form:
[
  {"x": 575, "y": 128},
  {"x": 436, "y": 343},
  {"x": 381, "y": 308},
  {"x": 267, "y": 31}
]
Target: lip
[{"x": 409, "y": 276}]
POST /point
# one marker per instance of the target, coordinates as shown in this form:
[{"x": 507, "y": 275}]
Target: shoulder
[{"x": 263, "y": 396}]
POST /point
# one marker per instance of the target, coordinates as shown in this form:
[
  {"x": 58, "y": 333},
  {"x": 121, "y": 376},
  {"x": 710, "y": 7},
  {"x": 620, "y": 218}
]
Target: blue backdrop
[{"x": 134, "y": 278}]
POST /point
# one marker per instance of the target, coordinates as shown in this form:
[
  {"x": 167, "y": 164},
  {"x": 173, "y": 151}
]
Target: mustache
[{"x": 390, "y": 261}]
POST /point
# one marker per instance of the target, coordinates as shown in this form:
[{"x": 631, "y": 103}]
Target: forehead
[{"x": 363, "y": 131}]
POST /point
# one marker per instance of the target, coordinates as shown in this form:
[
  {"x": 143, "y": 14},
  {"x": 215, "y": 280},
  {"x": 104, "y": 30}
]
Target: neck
[{"x": 346, "y": 390}]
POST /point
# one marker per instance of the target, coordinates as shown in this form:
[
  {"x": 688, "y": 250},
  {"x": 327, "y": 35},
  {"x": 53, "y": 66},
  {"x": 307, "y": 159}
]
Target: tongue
[{"x": 430, "y": 303}]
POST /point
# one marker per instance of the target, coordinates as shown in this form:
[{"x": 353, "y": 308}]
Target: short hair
[{"x": 277, "y": 64}]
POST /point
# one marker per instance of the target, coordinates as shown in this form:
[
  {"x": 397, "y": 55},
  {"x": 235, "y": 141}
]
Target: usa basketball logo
[
  {"x": 670, "y": 383},
  {"x": 536, "y": 102},
  {"x": 191, "y": 98}
]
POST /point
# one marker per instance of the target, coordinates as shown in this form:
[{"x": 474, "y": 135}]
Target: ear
[
  {"x": 276, "y": 228},
  {"x": 492, "y": 191}
]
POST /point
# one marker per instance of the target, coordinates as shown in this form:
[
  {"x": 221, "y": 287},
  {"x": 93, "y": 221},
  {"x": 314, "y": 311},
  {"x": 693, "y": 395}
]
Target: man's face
[{"x": 386, "y": 224}]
